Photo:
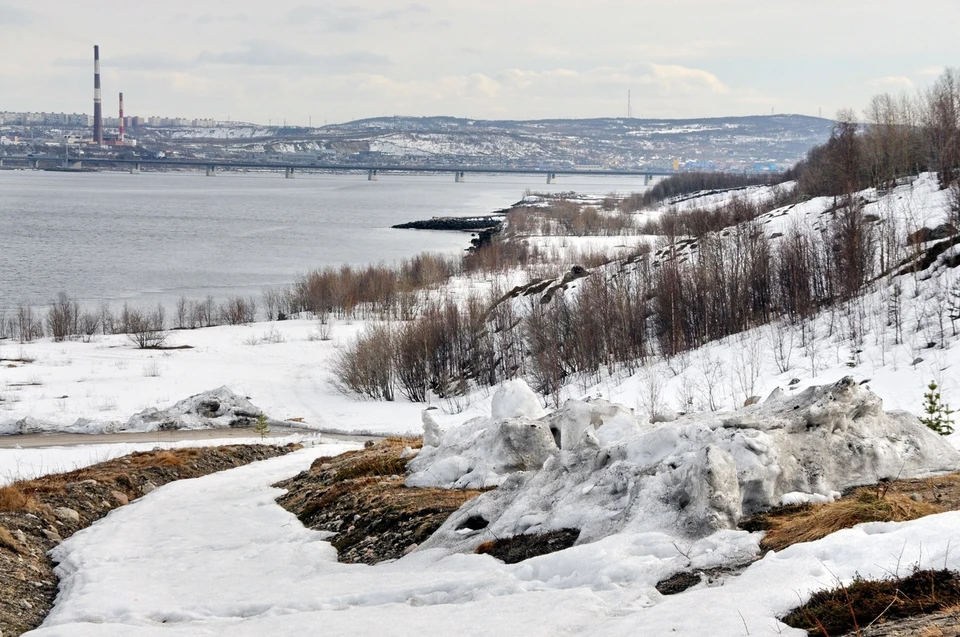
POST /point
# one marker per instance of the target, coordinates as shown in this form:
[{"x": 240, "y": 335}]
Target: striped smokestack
[
  {"x": 120, "y": 137},
  {"x": 97, "y": 107}
]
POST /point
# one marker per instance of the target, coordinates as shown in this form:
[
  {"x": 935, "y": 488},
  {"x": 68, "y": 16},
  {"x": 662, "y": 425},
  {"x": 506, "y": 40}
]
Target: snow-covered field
[
  {"x": 282, "y": 367},
  {"x": 217, "y": 556}
]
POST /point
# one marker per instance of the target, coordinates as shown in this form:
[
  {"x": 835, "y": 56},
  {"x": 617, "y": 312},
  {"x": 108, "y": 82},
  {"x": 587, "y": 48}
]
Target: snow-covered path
[{"x": 217, "y": 556}]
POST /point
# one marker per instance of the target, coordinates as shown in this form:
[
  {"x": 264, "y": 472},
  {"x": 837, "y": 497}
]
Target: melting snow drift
[{"x": 594, "y": 466}]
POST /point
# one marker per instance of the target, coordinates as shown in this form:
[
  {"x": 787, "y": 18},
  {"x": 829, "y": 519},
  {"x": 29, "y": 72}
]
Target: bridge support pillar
[
  {"x": 647, "y": 179},
  {"x": 551, "y": 178},
  {"x": 211, "y": 171},
  {"x": 372, "y": 175},
  {"x": 135, "y": 169},
  {"x": 1, "y": 162},
  {"x": 288, "y": 173},
  {"x": 460, "y": 177},
  {"x": 35, "y": 164}
]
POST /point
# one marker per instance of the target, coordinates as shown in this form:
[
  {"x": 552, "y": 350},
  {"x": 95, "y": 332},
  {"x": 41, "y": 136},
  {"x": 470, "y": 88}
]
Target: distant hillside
[{"x": 721, "y": 143}]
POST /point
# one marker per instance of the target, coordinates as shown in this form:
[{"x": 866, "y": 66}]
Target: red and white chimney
[
  {"x": 97, "y": 107},
  {"x": 120, "y": 137}
]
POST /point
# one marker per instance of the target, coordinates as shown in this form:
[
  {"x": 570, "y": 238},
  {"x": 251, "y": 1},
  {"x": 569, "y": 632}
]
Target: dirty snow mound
[
  {"x": 594, "y": 466},
  {"x": 214, "y": 409}
]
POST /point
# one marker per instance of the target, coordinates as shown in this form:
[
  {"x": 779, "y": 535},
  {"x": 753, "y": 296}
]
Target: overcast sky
[{"x": 262, "y": 61}]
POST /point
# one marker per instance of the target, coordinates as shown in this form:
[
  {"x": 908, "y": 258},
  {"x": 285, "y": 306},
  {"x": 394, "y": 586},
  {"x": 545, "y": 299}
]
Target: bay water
[{"x": 152, "y": 237}]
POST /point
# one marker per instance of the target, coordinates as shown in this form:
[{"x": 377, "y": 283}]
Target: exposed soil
[
  {"x": 518, "y": 548},
  {"x": 36, "y": 515},
  {"x": 871, "y": 603},
  {"x": 360, "y": 496}
]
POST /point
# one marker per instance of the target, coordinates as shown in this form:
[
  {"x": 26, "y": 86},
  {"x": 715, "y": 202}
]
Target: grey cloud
[
  {"x": 149, "y": 62},
  {"x": 266, "y": 53},
  {"x": 73, "y": 62},
  {"x": 135, "y": 62},
  {"x": 15, "y": 16},
  {"x": 349, "y": 19},
  {"x": 208, "y": 19}
]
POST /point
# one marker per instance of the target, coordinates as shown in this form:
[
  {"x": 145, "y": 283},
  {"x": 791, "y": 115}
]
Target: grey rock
[{"x": 67, "y": 514}]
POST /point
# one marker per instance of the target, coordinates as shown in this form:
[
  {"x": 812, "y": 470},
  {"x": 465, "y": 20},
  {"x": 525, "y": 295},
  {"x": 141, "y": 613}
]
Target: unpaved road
[{"x": 34, "y": 441}]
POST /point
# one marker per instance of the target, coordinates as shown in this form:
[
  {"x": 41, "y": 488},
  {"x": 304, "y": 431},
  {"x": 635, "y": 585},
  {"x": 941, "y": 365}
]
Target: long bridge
[{"x": 291, "y": 168}]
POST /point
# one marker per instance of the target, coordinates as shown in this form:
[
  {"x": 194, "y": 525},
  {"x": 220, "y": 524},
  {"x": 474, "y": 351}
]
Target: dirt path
[
  {"x": 34, "y": 441},
  {"x": 36, "y": 515}
]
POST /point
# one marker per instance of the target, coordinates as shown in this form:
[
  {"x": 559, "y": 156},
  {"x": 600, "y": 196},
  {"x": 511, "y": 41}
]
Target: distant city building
[
  {"x": 82, "y": 120},
  {"x": 66, "y": 120}
]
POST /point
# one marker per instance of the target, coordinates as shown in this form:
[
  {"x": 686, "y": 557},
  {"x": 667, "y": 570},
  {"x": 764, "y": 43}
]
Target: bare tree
[
  {"x": 145, "y": 329},
  {"x": 61, "y": 317}
]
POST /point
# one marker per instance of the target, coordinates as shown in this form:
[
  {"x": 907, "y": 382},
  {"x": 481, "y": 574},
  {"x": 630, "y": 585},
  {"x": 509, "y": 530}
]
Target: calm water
[{"x": 152, "y": 237}]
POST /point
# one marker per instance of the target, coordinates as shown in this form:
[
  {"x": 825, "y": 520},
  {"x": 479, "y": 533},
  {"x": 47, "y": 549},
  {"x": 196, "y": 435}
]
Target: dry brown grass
[
  {"x": 12, "y": 498},
  {"x": 7, "y": 541},
  {"x": 812, "y": 522},
  {"x": 159, "y": 459},
  {"x": 863, "y": 603}
]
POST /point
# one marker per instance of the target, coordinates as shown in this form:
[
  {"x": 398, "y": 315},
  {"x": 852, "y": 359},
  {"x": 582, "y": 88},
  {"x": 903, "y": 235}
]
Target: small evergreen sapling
[
  {"x": 936, "y": 411},
  {"x": 261, "y": 427}
]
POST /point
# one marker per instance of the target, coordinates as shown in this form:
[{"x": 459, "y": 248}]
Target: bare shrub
[
  {"x": 28, "y": 326},
  {"x": 89, "y": 323},
  {"x": 145, "y": 329},
  {"x": 152, "y": 369},
  {"x": 366, "y": 365},
  {"x": 237, "y": 310},
  {"x": 183, "y": 313},
  {"x": 62, "y": 317}
]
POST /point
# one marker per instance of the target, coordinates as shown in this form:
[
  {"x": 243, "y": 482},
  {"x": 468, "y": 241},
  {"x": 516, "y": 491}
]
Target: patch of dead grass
[
  {"x": 378, "y": 461},
  {"x": 806, "y": 523},
  {"x": 865, "y": 602},
  {"x": 12, "y": 498}
]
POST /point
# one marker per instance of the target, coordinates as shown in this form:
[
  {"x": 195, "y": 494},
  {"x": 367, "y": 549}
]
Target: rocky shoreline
[
  {"x": 461, "y": 224},
  {"x": 485, "y": 226}
]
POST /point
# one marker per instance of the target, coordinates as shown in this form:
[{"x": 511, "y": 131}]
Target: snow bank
[
  {"x": 605, "y": 472},
  {"x": 215, "y": 409}
]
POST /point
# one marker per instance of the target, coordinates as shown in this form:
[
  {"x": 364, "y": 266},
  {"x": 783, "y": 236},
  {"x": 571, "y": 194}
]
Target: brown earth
[
  {"x": 512, "y": 550},
  {"x": 36, "y": 515},
  {"x": 360, "y": 496},
  {"x": 897, "y": 500}
]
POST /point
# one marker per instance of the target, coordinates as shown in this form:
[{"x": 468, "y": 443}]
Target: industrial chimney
[
  {"x": 120, "y": 137},
  {"x": 97, "y": 108}
]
